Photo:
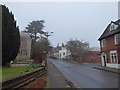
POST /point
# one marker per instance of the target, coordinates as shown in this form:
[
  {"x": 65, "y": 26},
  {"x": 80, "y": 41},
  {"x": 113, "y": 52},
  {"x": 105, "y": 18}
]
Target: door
[{"x": 104, "y": 58}]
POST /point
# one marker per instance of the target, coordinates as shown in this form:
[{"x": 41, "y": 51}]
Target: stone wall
[{"x": 25, "y": 47}]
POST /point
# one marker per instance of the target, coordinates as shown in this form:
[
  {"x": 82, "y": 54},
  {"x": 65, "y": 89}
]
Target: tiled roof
[{"x": 107, "y": 31}]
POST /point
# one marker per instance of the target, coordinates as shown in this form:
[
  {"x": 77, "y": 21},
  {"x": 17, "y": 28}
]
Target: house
[
  {"x": 25, "y": 47},
  {"x": 64, "y": 53},
  {"x": 110, "y": 45},
  {"x": 55, "y": 53},
  {"x": 61, "y": 52}
]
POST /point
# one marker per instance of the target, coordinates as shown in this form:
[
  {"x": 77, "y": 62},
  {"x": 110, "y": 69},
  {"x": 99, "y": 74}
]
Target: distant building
[
  {"x": 61, "y": 52},
  {"x": 25, "y": 47},
  {"x": 64, "y": 53},
  {"x": 110, "y": 45},
  {"x": 56, "y": 51}
]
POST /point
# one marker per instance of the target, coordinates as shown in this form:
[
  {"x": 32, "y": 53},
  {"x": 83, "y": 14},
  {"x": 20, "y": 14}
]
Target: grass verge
[{"x": 10, "y": 72}]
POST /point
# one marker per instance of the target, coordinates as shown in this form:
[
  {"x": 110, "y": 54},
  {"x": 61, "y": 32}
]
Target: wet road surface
[{"x": 85, "y": 76}]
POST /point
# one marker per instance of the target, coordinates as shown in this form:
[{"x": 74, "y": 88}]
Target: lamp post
[{"x": 47, "y": 34}]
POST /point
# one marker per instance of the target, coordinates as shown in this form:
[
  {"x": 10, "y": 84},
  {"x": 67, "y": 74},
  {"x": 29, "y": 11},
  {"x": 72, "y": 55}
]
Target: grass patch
[
  {"x": 0, "y": 74},
  {"x": 10, "y": 72}
]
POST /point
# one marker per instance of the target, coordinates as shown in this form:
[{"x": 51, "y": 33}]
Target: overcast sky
[{"x": 80, "y": 20}]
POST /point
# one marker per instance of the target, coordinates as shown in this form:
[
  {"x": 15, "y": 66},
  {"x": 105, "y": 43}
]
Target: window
[
  {"x": 113, "y": 56},
  {"x": 112, "y": 27},
  {"x": 20, "y": 52},
  {"x": 103, "y": 42},
  {"x": 26, "y": 53},
  {"x": 60, "y": 55},
  {"x": 117, "y": 39},
  {"x": 63, "y": 54}
]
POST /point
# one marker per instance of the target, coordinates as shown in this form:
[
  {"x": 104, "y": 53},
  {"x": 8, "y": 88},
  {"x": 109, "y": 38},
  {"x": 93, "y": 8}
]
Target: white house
[
  {"x": 64, "y": 53},
  {"x": 61, "y": 52}
]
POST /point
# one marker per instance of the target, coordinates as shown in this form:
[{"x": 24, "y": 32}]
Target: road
[{"x": 84, "y": 76}]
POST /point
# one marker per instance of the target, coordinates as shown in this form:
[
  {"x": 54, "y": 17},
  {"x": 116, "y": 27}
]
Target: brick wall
[
  {"x": 91, "y": 57},
  {"x": 39, "y": 83},
  {"x": 118, "y": 50},
  {"x": 110, "y": 44},
  {"x": 33, "y": 79}
]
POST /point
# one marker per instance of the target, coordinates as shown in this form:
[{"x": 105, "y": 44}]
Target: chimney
[
  {"x": 57, "y": 44},
  {"x": 62, "y": 44}
]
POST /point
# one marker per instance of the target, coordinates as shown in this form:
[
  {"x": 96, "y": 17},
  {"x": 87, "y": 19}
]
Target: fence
[{"x": 25, "y": 79}]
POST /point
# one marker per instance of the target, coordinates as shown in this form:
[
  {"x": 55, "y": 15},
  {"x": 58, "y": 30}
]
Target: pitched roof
[{"x": 107, "y": 31}]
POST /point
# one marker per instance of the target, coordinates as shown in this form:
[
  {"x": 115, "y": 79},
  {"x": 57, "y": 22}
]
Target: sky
[{"x": 68, "y": 20}]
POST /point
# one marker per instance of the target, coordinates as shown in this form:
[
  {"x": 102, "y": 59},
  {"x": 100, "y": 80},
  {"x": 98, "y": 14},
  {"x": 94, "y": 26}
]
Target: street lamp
[{"x": 47, "y": 34}]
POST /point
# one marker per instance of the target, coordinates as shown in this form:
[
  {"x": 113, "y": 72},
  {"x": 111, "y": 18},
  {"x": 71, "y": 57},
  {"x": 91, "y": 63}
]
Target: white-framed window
[
  {"x": 113, "y": 56},
  {"x": 103, "y": 43},
  {"x": 113, "y": 27},
  {"x": 117, "y": 39}
]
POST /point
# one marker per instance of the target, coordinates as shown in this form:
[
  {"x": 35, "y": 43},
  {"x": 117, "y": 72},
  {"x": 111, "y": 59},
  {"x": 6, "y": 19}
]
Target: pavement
[
  {"x": 113, "y": 70},
  {"x": 98, "y": 66},
  {"x": 55, "y": 78}
]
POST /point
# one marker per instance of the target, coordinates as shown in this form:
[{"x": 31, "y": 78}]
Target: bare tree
[
  {"x": 42, "y": 44},
  {"x": 40, "y": 48},
  {"x": 77, "y": 48}
]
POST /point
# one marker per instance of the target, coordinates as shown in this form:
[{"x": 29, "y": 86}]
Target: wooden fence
[{"x": 24, "y": 80}]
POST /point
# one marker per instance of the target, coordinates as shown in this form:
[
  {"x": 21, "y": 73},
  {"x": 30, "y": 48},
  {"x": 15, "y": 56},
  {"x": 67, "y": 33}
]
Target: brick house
[{"x": 110, "y": 45}]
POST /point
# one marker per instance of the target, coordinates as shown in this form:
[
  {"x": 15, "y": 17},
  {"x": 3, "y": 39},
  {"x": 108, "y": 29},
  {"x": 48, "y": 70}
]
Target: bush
[{"x": 10, "y": 36}]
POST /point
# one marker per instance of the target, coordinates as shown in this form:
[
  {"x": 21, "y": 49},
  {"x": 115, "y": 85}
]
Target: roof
[
  {"x": 56, "y": 49},
  {"x": 107, "y": 31}
]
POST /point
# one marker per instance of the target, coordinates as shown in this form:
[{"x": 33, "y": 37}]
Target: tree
[
  {"x": 39, "y": 48},
  {"x": 77, "y": 48},
  {"x": 10, "y": 36},
  {"x": 34, "y": 28}
]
